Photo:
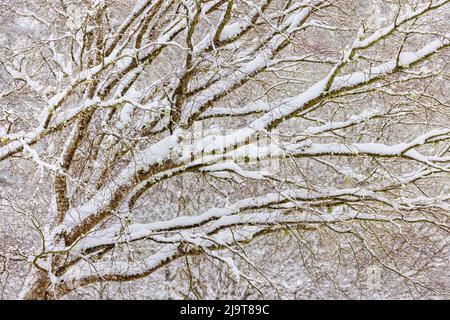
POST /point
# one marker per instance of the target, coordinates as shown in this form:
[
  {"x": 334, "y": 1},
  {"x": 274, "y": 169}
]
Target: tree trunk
[{"x": 40, "y": 290}]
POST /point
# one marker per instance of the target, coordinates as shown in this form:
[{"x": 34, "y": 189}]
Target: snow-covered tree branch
[{"x": 266, "y": 141}]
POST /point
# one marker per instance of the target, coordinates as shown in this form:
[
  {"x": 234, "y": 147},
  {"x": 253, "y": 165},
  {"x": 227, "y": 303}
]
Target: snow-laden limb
[
  {"x": 156, "y": 115},
  {"x": 18, "y": 75},
  {"x": 12, "y": 146},
  {"x": 54, "y": 103},
  {"x": 374, "y": 149},
  {"x": 83, "y": 213},
  {"x": 142, "y": 162},
  {"x": 302, "y": 103},
  {"x": 254, "y": 108},
  {"x": 258, "y": 225},
  {"x": 245, "y": 70},
  {"x": 135, "y": 232},
  {"x": 40, "y": 163},
  {"x": 400, "y": 20},
  {"x": 253, "y": 152},
  {"x": 364, "y": 116},
  {"x": 234, "y": 168},
  {"x": 236, "y": 273},
  {"x": 90, "y": 272}
]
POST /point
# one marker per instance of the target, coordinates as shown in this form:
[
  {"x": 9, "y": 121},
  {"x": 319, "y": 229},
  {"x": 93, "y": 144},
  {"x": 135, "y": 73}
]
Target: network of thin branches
[{"x": 287, "y": 149}]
